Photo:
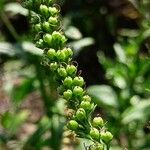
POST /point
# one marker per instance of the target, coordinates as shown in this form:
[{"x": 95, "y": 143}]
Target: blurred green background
[{"x": 111, "y": 43}]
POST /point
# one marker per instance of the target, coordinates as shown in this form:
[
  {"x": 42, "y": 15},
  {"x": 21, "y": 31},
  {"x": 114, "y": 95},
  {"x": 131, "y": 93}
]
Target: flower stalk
[{"x": 49, "y": 37}]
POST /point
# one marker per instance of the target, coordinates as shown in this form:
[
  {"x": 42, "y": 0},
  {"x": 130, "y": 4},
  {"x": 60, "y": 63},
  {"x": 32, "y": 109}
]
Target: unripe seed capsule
[
  {"x": 86, "y": 98},
  {"x": 53, "y": 66},
  {"x": 73, "y": 125},
  {"x": 62, "y": 72},
  {"x": 46, "y": 27},
  {"x": 63, "y": 39},
  {"x": 94, "y": 133},
  {"x": 53, "y": 10},
  {"x": 106, "y": 136},
  {"x": 37, "y": 27},
  {"x": 51, "y": 53},
  {"x": 68, "y": 52},
  {"x": 47, "y": 39},
  {"x": 67, "y": 94},
  {"x": 67, "y": 82},
  {"x": 80, "y": 114},
  {"x": 56, "y": 35},
  {"x": 71, "y": 70},
  {"x": 53, "y": 20},
  {"x": 78, "y": 91},
  {"x": 85, "y": 105},
  {"x": 98, "y": 122},
  {"x": 44, "y": 10},
  {"x": 78, "y": 81},
  {"x": 60, "y": 55}
]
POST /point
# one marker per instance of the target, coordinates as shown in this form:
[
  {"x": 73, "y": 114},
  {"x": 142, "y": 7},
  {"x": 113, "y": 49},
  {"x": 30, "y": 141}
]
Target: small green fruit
[
  {"x": 51, "y": 53},
  {"x": 94, "y": 133},
  {"x": 53, "y": 20},
  {"x": 85, "y": 105},
  {"x": 46, "y": 27},
  {"x": 78, "y": 81},
  {"x": 44, "y": 10},
  {"x": 67, "y": 94},
  {"x": 53, "y": 66},
  {"x": 106, "y": 136},
  {"x": 80, "y": 114},
  {"x": 61, "y": 56},
  {"x": 53, "y": 10},
  {"x": 71, "y": 70},
  {"x": 37, "y": 27},
  {"x": 67, "y": 82},
  {"x": 62, "y": 72},
  {"x": 78, "y": 91},
  {"x": 86, "y": 98},
  {"x": 73, "y": 125},
  {"x": 98, "y": 122},
  {"x": 68, "y": 52},
  {"x": 47, "y": 39}
]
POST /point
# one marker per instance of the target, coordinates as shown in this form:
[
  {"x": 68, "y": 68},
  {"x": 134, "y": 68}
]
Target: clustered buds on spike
[{"x": 48, "y": 37}]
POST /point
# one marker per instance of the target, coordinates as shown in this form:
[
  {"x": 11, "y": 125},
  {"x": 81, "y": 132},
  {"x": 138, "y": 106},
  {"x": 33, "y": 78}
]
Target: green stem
[
  {"x": 48, "y": 102},
  {"x": 107, "y": 146}
]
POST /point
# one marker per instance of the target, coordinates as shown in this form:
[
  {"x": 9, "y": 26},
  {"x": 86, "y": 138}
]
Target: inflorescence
[{"x": 46, "y": 26}]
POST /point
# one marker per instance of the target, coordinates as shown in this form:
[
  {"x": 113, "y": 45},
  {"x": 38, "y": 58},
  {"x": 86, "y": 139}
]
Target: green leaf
[
  {"x": 16, "y": 8},
  {"x": 79, "y": 44},
  {"x": 120, "y": 52},
  {"x": 73, "y": 33},
  {"x": 21, "y": 91},
  {"x": 12, "y": 122},
  {"x": 140, "y": 112},
  {"x": 103, "y": 95}
]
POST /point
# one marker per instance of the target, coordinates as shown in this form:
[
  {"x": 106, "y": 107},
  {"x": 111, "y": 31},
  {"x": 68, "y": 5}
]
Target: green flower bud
[
  {"x": 56, "y": 35},
  {"x": 78, "y": 81},
  {"x": 71, "y": 70},
  {"x": 62, "y": 72},
  {"x": 44, "y": 10},
  {"x": 68, "y": 52},
  {"x": 73, "y": 125},
  {"x": 58, "y": 39},
  {"x": 98, "y": 122},
  {"x": 51, "y": 53},
  {"x": 67, "y": 82},
  {"x": 78, "y": 91},
  {"x": 60, "y": 56},
  {"x": 95, "y": 134},
  {"x": 53, "y": 10},
  {"x": 53, "y": 20},
  {"x": 37, "y": 27},
  {"x": 63, "y": 39},
  {"x": 86, "y": 98},
  {"x": 67, "y": 94},
  {"x": 85, "y": 105},
  {"x": 80, "y": 114},
  {"x": 106, "y": 136},
  {"x": 47, "y": 39},
  {"x": 46, "y": 27},
  {"x": 53, "y": 66}
]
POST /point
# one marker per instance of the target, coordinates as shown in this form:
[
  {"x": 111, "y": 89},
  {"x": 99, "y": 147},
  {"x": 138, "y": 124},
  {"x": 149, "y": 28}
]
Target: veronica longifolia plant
[{"x": 49, "y": 37}]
